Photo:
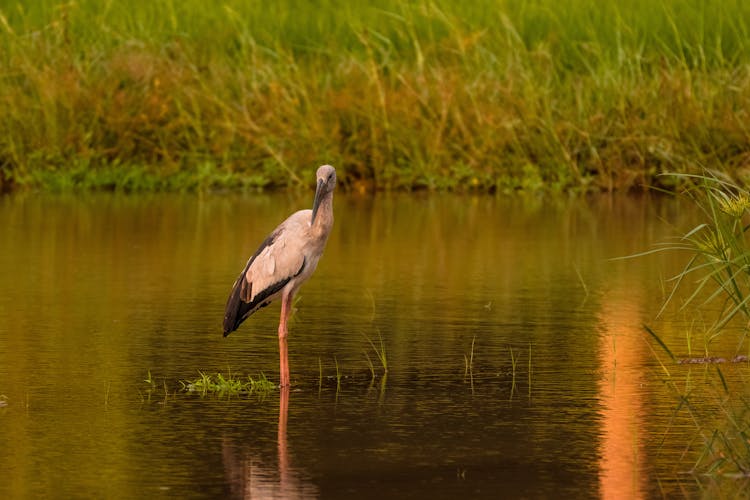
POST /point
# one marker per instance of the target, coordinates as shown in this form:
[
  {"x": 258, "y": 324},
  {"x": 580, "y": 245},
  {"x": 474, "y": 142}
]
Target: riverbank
[{"x": 491, "y": 96}]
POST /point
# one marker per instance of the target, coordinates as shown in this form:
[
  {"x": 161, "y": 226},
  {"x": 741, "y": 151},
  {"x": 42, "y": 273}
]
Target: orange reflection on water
[
  {"x": 250, "y": 477},
  {"x": 621, "y": 352}
]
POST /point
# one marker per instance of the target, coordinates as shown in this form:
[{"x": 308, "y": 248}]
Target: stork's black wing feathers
[{"x": 237, "y": 310}]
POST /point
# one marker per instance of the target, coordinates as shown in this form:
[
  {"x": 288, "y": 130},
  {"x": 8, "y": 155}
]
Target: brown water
[{"x": 98, "y": 291}]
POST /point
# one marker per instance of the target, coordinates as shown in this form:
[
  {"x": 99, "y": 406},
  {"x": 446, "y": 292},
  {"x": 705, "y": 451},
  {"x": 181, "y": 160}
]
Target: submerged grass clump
[
  {"x": 228, "y": 386},
  {"x": 489, "y": 95}
]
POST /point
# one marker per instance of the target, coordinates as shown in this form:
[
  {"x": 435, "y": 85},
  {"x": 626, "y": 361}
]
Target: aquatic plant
[
  {"x": 716, "y": 278},
  {"x": 338, "y": 375},
  {"x": 717, "y": 273},
  {"x": 380, "y": 354},
  {"x": 469, "y": 363},
  {"x": 150, "y": 380},
  {"x": 726, "y": 450},
  {"x": 505, "y": 96},
  {"x": 720, "y": 415},
  {"x": 228, "y": 386},
  {"x": 370, "y": 366}
]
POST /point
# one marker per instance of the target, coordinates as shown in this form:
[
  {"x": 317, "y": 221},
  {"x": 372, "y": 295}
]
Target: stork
[{"x": 285, "y": 260}]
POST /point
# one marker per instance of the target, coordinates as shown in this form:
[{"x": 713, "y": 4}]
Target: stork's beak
[{"x": 317, "y": 200}]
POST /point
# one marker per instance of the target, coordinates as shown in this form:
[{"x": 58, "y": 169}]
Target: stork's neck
[{"x": 324, "y": 218}]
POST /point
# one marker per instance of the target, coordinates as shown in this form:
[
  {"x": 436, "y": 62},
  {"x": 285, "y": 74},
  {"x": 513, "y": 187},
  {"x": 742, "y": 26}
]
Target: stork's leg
[
  {"x": 281, "y": 442},
  {"x": 286, "y": 311}
]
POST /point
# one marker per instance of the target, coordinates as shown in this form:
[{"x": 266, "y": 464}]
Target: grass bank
[{"x": 489, "y": 95}]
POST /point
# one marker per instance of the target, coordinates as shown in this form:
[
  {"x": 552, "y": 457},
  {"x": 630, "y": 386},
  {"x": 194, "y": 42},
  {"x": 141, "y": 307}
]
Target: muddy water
[{"x": 517, "y": 364}]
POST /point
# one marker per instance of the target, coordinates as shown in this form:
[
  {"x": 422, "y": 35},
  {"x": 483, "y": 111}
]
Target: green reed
[
  {"x": 338, "y": 375},
  {"x": 380, "y": 354},
  {"x": 489, "y": 95},
  {"x": 716, "y": 278},
  {"x": 720, "y": 415},
  {"x": 717, "y": 273}
]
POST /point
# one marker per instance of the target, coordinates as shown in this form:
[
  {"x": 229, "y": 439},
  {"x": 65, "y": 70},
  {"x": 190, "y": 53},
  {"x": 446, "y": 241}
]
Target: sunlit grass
[
  {"x": 489, "y": 95},
  {"x": 717, "y": 273},
  {"x": 715, "y": 279}
]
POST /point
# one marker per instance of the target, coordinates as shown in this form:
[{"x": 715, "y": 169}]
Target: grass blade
[{"x": 660, "y": 342}]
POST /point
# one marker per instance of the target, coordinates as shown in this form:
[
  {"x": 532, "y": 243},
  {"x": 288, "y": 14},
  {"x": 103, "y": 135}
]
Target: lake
[{"x": 518, "y": 364}]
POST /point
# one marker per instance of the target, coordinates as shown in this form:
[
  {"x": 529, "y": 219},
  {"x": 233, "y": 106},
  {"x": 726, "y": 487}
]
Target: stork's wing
[{"x": 278, "y": 259}]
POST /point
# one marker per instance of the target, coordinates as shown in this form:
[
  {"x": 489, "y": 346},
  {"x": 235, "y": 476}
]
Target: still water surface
[{"x": 559, "y": 396}]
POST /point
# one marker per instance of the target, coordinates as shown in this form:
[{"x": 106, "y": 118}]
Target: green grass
[
  {"x": 716, "y": 282},
  {"x": 380, "y": 354},
  {"x": 716, "y": 277},
  {"x": 494, "y": 95},
  {"x": 228, "y": 386},
  {"x": 720, "y": 415},
  {"x": 338, "y": 375}
]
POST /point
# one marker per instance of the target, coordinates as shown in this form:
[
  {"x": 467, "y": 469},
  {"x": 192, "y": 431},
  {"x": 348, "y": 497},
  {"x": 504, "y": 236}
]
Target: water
[{"x": 560, "y": 395}]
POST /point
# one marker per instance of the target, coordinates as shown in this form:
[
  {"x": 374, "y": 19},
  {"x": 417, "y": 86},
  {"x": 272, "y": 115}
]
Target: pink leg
[
  {"x": 286, "y": 311},
  {"x": 281, "y": 440}
]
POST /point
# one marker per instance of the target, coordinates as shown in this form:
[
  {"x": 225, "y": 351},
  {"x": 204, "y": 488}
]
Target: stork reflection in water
[{"x": 285, "y": 260}]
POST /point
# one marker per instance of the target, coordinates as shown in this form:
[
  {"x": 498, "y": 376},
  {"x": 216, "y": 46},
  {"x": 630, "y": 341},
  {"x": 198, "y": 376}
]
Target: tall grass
[
  {"x": 716, "y": 280},
  {"x": 491, "y": 94},
  {"x": 716, "y": 277}
]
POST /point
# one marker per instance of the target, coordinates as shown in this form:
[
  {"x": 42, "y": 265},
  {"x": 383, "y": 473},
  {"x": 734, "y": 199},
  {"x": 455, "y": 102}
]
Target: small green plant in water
[
  {"x": 469, "y": 364},
  {"x": 228, "y": 386},
  {"x": 338, "y": 374},
  {"x": 379, "y": 353}
]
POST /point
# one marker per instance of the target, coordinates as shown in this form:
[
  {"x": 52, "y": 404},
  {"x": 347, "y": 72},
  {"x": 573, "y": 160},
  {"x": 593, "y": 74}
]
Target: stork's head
[{"x": 326, "y": 183}]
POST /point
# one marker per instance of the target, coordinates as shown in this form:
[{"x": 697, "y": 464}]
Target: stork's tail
[{"x": 236, "y": 309}]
